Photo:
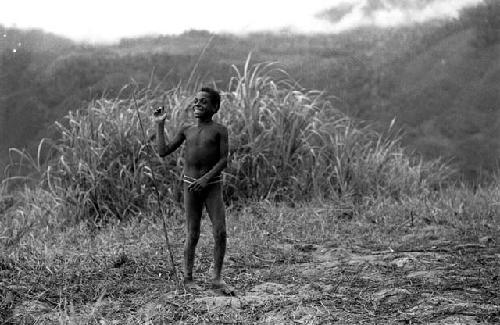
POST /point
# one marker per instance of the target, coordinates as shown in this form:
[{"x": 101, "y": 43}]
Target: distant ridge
[
  {"x": 440, "y": 80},
  {"x": 32, "y": 39}
]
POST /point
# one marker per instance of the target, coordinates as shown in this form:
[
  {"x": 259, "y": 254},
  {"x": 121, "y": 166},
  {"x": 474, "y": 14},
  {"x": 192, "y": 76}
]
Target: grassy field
[
  {"x": 328, "y": 221},
  {"x": 433, "y": 259}
]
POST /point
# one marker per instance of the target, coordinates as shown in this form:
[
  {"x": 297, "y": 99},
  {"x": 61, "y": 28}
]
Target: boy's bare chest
[{"x": 201, "y": 137}]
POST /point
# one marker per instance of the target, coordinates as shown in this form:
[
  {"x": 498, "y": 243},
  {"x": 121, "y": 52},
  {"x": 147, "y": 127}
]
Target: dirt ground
[{"x": 439, "y": 283}]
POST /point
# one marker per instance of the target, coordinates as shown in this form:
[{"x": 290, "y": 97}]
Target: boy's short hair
[{"x": 214, "y": 96}]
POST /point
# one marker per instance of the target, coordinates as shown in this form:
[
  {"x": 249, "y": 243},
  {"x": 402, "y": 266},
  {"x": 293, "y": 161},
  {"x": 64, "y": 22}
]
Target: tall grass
[
  {"x": 292, "y": 144},
  {"x": 286, "y": 144}
]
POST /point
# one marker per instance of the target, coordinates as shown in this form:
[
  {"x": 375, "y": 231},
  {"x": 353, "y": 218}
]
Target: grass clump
[{"x": 286, "y": 144}]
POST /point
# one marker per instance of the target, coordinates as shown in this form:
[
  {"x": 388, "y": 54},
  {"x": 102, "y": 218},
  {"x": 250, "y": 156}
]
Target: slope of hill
[
  {"x": 16, "y": 84},
  {"x": 440, "y": 79},
  {"x": 33, "y": 39},
  {"x": 449, "y": 96}
]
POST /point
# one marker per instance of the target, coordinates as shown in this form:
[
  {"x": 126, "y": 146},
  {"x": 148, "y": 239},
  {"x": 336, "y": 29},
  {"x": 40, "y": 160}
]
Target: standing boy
[{"x": 205, "y": 156}]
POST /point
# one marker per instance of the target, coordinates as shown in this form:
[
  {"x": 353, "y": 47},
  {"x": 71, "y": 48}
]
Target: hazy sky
[{"x": 108, "y": 20}]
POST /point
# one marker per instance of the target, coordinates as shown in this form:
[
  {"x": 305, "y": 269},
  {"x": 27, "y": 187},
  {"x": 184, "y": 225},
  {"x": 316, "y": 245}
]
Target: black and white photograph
[{"x": 249, "y": 162}]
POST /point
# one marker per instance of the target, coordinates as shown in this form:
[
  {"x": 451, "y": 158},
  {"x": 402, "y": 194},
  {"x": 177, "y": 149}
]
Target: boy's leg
[
  {"x": 193, "y": 204},
  {"x": 217, "y": 214}
]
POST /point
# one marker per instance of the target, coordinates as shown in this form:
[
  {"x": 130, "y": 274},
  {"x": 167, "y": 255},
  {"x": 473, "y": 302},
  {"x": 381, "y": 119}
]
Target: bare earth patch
[
  {"x": 391, "y": 287},
  {"x": 333, "y": 284}
]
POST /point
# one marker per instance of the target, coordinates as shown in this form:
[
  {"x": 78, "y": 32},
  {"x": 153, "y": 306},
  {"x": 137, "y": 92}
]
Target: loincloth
[{"x": 189, "y": 180}]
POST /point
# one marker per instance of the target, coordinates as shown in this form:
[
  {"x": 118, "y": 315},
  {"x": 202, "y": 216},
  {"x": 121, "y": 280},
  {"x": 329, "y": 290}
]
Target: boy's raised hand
[{"x": 159, "y": 115}]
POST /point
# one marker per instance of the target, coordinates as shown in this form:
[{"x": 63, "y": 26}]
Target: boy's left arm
[{"x": 202, "y": 182}]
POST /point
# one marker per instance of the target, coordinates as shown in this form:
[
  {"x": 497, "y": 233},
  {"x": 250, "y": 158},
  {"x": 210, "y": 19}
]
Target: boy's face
[{"x": 202, "y": 105}]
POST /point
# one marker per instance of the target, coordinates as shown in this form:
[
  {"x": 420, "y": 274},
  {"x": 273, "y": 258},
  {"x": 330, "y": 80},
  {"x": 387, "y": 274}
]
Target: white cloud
[
  {"x": 393, "y": 16},
  {"x": 107, "y": 20}
]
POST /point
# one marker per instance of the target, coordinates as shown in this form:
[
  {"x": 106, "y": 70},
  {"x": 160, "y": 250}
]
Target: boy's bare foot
[
  {"x": 223, "y": 287},
  {"x": 190, "y": 284}
]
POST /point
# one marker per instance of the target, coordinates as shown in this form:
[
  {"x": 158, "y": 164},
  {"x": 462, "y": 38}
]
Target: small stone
[
  {"x": 391, "y": 296},
  {"x": 486, "y": 240},
  {"x": 401, "y": 262}
]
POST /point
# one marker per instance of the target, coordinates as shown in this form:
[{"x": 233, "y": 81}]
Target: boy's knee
[
  {"x": 220, "y": 234},
  {"x": 193, "y": 235}
]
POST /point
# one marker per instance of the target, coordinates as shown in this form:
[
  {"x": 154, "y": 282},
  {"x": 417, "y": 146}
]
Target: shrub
[{"x": 286, "y": 144}]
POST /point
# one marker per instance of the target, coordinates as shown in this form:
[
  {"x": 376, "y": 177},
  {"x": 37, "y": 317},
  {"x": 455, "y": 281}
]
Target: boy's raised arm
[{"x": 163, "y": 149}]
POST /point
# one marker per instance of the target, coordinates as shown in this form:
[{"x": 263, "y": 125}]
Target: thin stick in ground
[{"x": 157, "y": 192}]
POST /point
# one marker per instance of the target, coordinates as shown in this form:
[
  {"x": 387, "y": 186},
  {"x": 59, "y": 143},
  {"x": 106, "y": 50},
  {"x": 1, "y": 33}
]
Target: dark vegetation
[{"x": 440, "y": 80}]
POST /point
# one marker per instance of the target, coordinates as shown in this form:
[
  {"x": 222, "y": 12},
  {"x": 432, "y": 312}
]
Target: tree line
[{"x": 42, "y": 76}]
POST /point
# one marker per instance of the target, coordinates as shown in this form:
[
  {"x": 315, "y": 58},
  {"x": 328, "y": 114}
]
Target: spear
[{"x": 155, "y": 187}]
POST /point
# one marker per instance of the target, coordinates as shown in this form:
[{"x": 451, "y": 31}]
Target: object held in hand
[{"x": 159, "y": 111}]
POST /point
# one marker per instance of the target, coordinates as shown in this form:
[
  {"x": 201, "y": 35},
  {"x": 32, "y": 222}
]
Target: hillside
[
  {"x": 449, "y": 98},
  {"x": 34, "y": 40},
  {"x": 438, "y": 79}
]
